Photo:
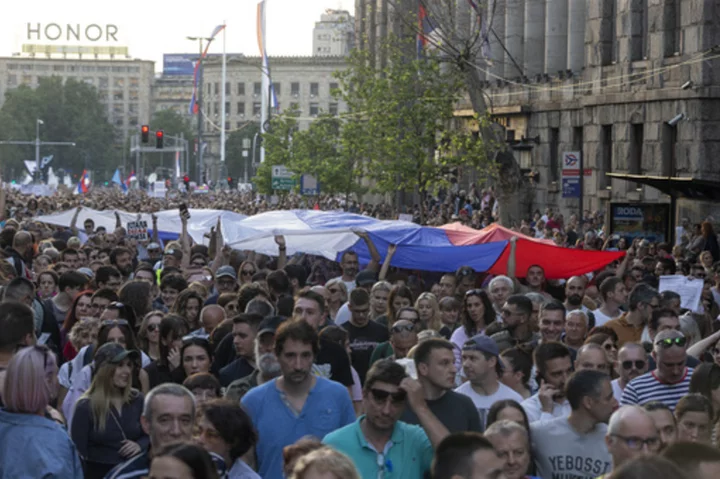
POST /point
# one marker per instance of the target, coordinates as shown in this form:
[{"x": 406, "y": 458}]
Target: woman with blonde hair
[
  {"x": 338, "y": 296},
  {"x": 106, "y": 422},
  {"x": 427, "y": 306},
  {"x": 324, "y": 462},
  {"x": 378, "y": 299},
  {"x": 25, "y": 429}
]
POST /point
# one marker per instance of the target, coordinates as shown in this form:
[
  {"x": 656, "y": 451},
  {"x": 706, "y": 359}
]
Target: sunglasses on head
[
  {"x": 381, "y": 395},
  {"x": 115, "y": 305},
  {"x": 473, "y": 291},
  {"x": 670, "y": 342},
  {"x": 638, "y": 363},
  {"x": 400, "y": 328}
]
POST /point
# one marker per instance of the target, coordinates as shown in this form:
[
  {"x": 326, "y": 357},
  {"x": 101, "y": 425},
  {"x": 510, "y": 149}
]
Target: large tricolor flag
[
  {"x": 425, "y": 28},
  {"x": 193, "y": 100},
  {"x": 84, "y": 182}
]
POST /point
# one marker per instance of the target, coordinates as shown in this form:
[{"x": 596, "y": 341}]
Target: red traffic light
[
  {"x": 229, "y": 179},
  {"x": 186, "y": 179},
  {"x": 145, "y": 133},
  {"x": 145, "y": 129},
  {"x": 159, "y": 136}
]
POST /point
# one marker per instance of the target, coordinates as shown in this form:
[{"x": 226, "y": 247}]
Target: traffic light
[
  {"x": 231, "y": 182},
  {"x": 186, "y": 180},
  {"x": 159, "y": 137},
  {"x": 145, "y": 132}
]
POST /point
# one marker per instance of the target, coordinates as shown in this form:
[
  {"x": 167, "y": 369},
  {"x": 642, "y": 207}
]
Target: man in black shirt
[
  {"x": 364, "y": 334},
  {"x": 332, "y": 361},
  {"x": 245, "y": 328},
  {"x": 435, "y": 365}
]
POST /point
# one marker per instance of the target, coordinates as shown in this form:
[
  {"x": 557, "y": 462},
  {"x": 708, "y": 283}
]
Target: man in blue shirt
[
  {"x": 297, "y": 404},
  {"x": 379, "y": 443}
]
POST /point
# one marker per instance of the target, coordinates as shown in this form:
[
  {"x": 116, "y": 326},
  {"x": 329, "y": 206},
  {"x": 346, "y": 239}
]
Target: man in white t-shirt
[
  {"x": 350, "y": 263},
  {"x": 614, "y": 294},
  {"x": 554, "y": 367},
  {"x": 482, "y": 367},
  {"x": 632, "y": 362}
]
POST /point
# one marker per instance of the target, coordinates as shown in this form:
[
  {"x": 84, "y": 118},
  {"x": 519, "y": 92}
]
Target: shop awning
[{"x": 676, "y": 187}]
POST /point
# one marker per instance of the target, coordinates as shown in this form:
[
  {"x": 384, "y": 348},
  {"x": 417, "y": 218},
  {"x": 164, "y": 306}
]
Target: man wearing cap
[
  {"x": 365, "y": 280},
  {"x": 225, "y": 282},
  {"x": 172, "y": 257},
  {"x": 483, "y": 368},
  {"x": 267, "y": 365},
  {"x": 154, "y": 255}
]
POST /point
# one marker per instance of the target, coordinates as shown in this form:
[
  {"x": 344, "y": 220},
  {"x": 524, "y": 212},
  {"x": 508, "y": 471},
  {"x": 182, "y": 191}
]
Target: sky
[{"x": 151, "y": 28}]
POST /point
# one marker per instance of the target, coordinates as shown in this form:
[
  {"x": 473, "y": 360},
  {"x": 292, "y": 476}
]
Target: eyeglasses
[
  {"x": 152, "y": 327},
  {"x": 670, "y": 342},
  {"x": 400, "y": 328},
  {"x": 638, "y": 363},
  {"x": 381, "y": 395},
  {"x": 637, "y": 443},
  {"x": 247, "y": 272},
  {"x": 114, "y": 322}
]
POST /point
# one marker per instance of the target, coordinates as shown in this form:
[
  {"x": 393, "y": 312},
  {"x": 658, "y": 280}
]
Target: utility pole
[
  {"x": 37, "y": 143},
  {"x": 200, "y": 105}
]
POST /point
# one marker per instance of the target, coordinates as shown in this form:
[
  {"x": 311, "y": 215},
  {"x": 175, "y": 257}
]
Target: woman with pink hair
[{"x": 30, "y": 385}]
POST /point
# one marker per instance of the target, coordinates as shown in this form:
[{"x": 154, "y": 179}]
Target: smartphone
[{"x": 184, "y": 211}]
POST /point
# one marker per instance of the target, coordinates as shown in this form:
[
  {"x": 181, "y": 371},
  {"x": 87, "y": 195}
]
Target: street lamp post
[
  {"x": 38, "y": 122},
  {"x": 199, "y": 102}
]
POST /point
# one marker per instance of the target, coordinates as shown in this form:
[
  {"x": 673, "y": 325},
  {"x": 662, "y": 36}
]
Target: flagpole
[
  {"x": 265, "y": 87},
  {"x": 224, "y": 92}
]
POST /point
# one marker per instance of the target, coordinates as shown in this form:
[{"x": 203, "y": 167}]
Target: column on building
[
  {"x": 556, "y": 36},
  {"x": 577, "y": 13},
  {"x": 496, "y": 37},
  {"x": 534, "y": 37},
  {"x": 514, "y": 35}
]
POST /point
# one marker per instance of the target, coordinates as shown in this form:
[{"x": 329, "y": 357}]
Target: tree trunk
[{"x": 509, "y": 174}]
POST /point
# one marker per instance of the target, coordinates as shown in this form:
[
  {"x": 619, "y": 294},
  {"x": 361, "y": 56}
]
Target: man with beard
[
  {"x": 574, "y": 446},
  {"x": 515, "y": 328},
  {"x": 554, "y": 366},
  {"x": 350, "y": 264},
  {"x": 631, "y": 363},
  {"x": 297, "y": 403},
  {"x": 20, "y": 254},
  {"x": 122, "y": 259},
  {"x": 574, "y": 294},
  {"x": 267, "y": 365},
  {"x": 629, "y": 327},
  {"x": 379, "y": 443}
]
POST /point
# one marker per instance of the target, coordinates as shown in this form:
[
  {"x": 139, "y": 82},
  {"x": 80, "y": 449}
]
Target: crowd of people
[{"x": 178, "y": 360}]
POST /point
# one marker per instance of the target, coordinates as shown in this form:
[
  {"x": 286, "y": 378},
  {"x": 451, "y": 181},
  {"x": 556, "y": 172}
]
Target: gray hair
[
  {"x": 505, "y": 428},
  {"x": 501, "y": 279},
  {"x": 667, "y": 334},
  {"x": 166, "y": 389},
  {"x": 18, "y": 289},
  {"x": 578, "y": 312},
  {"x": 536, "y": 298},
  {"x": 690, "y": 329},
  {"x": 260, "y": 306}
]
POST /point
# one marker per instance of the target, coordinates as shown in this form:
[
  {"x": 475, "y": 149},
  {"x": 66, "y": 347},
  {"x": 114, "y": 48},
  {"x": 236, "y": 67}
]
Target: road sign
[
  {"x": 309, "y": 185},
  {"x": 571, "y": 174},
  {"x": 282, "y": 178}
]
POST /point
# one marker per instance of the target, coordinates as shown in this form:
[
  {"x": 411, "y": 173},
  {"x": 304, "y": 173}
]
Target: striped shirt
[{"x": 648, "y": 387}]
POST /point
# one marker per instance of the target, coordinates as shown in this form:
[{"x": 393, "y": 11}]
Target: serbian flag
[
  {"x": 82, "y": 187},
  {"x": 130, "y": 179},
  {"x": 425, "y": 28},
  {"x": 193, "y": 109}
]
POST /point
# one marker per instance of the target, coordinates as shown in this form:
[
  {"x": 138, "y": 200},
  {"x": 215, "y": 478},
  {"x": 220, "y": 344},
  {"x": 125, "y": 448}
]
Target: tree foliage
[
  {"x": 234, "y": 160},
  {"x": 71, "y": 112}
]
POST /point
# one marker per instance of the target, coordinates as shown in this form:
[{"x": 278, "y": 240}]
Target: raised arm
[
  {"x": 73, "y": 222},
  {"x": 2, "y": 200},
  {"x": 386, "y": 264},
  {"x": 697, "y": 349},
  {"x": 375, "y": 257},
  {"x": 282, "y": 251},
  {"x": 155, "y": 238}
]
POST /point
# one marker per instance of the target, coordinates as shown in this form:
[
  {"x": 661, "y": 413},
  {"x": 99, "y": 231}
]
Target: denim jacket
[{"x": 23, "y": 455}]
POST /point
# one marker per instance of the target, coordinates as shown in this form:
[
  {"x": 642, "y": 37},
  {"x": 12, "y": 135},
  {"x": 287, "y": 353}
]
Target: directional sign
[
  {"x": 309, "y": 185},
  {"x": 282, "y": 178},
  {"x": 571, "y": 174}
]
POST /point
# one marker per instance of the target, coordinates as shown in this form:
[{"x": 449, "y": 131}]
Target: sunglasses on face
[
  {"x": 609, "y": 347},
  {"x": 381, "y": 395},
  {"x": 114, "y": 322},
  {"x": 247, "y": 272},
  {"x": 638, "y": 363},
  {"x": 152, "y": 327},
  {"x": 670, "y": 342},
  {"x": 400, "y": 328}
]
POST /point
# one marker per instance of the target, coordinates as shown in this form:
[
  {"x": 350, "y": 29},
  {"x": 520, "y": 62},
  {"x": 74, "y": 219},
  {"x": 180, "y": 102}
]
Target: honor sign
[{"x": 66, "y": 32}]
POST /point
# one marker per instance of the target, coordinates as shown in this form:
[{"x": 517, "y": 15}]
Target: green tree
[
  {"x": 278, "y": 143},
  {"x": 71, "y": 112},
  {"x": 236, "y": 163},
  {"x": 405, "y": 112}
]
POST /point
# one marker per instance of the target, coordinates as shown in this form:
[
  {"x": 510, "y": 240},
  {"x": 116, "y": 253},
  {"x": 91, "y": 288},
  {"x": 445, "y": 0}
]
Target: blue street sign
[
  {"x": 309, "y": 185},
  {"x": 571, "y": 187}
]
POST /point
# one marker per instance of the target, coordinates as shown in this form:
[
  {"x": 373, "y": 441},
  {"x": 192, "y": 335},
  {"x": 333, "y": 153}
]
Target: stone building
[
  {"x": 632, "y": 84},
  {"x": 334, "y": 34}
]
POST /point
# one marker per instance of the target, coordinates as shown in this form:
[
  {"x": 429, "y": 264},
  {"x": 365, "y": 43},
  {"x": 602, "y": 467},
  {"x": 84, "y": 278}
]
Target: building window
[
  {"x": 61, "y": 68},
  {"x": 227, "y": 108},
  {"x": 257, "y": 88},
  {"x": 241, "y": 89},
  {"x": 669, "y": 147},
  {"x": 227, "y": 88},
  {"x": 119, "y": 83},
  {"x": 295, "y": 89},
  {"x": 314, "y": 89},
  {"x": 638, "y": 30},
  {"x": 333, "y": 109},
  {"x": 276, "y": 87},
  {"x": 12, "y": 80},
  {"x": 118, "y": 95},
  {"x": 103, "y": 82},
  {"x": 216, "y": 108},
  {"x": 241, "y": 108},
  {"x": 257, "y": 106},
  {"x": 606, "y": 164},
  {"x": 314, "y": 109},
  {"x": 672, "y": 27},
  {"x": 554, "y": 142},
  {"x": 27, "y": 79},
  {"x": 209, "y": 88},
  {"x": 134, "y": 95},
  {"x": 217, "y": 88},
  {"x": 333, "y": 87}
]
